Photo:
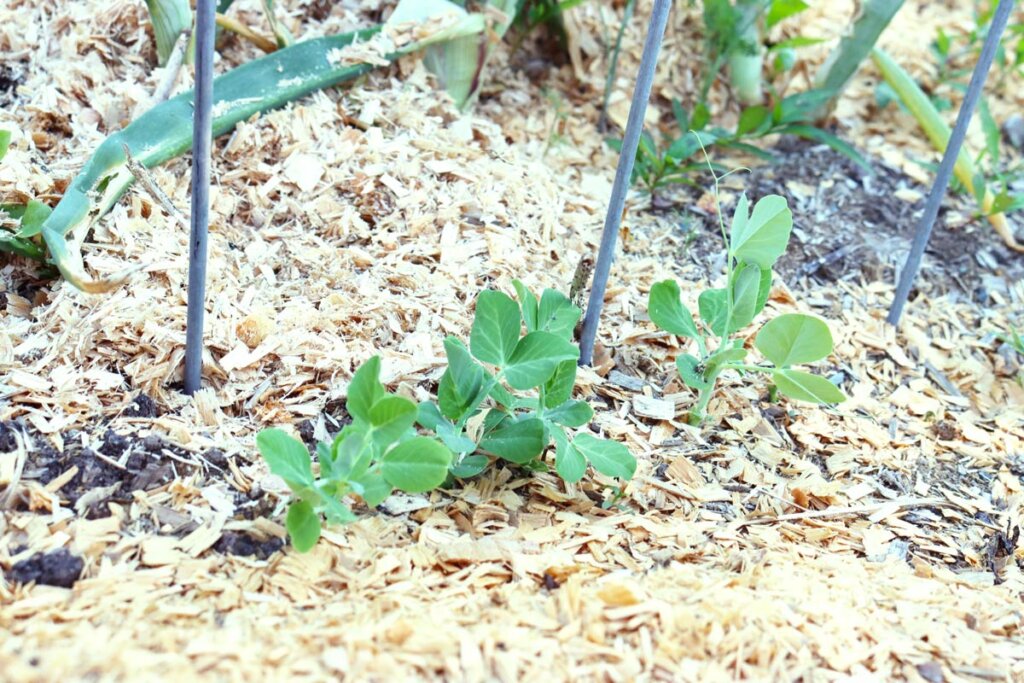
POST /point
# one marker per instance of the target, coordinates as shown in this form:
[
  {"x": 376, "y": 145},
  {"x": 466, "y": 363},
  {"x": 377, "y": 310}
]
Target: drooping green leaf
[
  {"x": 746, "y": 288},
  {"x": 303, "y": 525},
  {"x": 692, "y": 372},
  {"x": 502, "y": 395},
  {"x": 462, "y": 387},
  {"x": 470, "y": 466},
  {"x": 170, "y": 18},
  {"x": 416, "y": 465},
  {"x": 713, "y": 305},
  {"x": 516, "y": 441},
  {"x": 804, "y": 386},
  {"x": 372, "y": 487},
  {"x": 569, "y": 462},
  {"x": 610, "y": 458},
  {"x": 794, "y": 338},
  {"x": 350, "y": 452},
  {"x": 535, "y": 358},
  {"x": 364, "y": 390},
  {"x": 764, "y": 290},
  {"x": 496, "y": 327},
  {"x": 558, "y": 389},
  {"x": 571, "y": 413},
  {"x": 391, "y": 417},
  {"x": 527, "y": 304},
  {"x": 762, "y": 238},
  {"x": 556, "y": 314},
  {"x": 32, "y": 220},
  {"x": 5, "y": 142},
  {"x": 666, "y": 310},
  {"x": 286, "y": 456}
]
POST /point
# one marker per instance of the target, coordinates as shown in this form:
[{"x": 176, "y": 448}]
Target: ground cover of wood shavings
[{"x": 141, "y": 539}]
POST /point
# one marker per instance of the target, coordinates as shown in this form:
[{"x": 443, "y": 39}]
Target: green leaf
[
  {"x": 746, "y": 288},
  {"x": 754, "y": 120},
  {"x": 666, "y": 310},
  {"x": 516, "y": 441},
  {"x": 558, "y": 389},
  {"x": 556, "y": 314},
  {"x": 287, "y": 457},
  {"x": 762, "y": 238},
  {"x": 462, "y": 387},
  {"x": 303, "y": 525},
  {"x": 391, "y": 417},
  {"x": 794, "y": 338},
  {"x": 495, "y": 329},
  {"x": 364, "y": 390},
  {"x": 417, "y": 465},
  {"x": 804, "y": 386},
  {"x": 691, "y": 372},
  {"x": 335, "y": 511},
  {"x": 470, "y": 466},
  {"x": 783, "y": 9},
  {"x": 372, "y": 487},
  {"x": 32, "y": 220},
  {"x": 527, "y": 304},
  {"x": 350, "y": 452},
  {"x": 713, "y": 305},
  {"x": 5, "y": 142},
  {"x": 610, "y": 458},
  {"x": 502, "y": 395},
  {"x": 429, "y": 416},
  {"x": 701, "y": 116},
  {"x": 569, "y": 462},
  {"x": 535, "y": 357},
  {"x": 764, "y": 290},
  {"x": 571, "y": 413}
]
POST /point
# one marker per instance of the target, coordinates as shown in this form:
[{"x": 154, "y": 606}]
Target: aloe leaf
[
  {"x": 170, "y": 19},
  {"x": 931, "y": 122},
  {"x": 853, "y": 48},
  {"x": 165, "y": 132}
]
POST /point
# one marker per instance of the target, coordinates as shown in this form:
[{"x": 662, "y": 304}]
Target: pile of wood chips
[{"x": 875, "y": 541}]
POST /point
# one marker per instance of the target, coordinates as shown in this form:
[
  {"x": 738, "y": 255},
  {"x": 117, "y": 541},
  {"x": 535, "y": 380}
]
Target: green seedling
[
  {"x": 754, "y": 243},
  {"x": 508, "y": 395},
  {"x": 375, "y": 454}
]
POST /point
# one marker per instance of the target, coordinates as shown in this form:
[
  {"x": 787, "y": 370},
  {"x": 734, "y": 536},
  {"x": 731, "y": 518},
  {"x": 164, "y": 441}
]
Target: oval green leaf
[
  {"x": 794, "y": 338},
  {"x": 571, "y": 413},
  {"x": 496, "y": 328},
  {"x": 417, "y": 465},
  {"x": 286, "y": 456},
  {"x": 303, "y": 525},
  {"x": 804, "y": 386},
  {"x": 364, "y": 390},
  {"x": 391, "y": 417},
  {"x": 666, "y": 310},
  {"x": 608, "y": 457},
  {"x": 763, "y": 237},
  {"x": 535, "y": 357},
  {"x": 518, "y": 442},
  {"x": 569, "y": 462}
]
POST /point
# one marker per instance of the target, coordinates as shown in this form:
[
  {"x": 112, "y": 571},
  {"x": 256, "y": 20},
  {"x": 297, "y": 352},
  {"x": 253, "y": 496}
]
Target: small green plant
[
  {"x": 483, "y": 408},
  {"x": 755, "y": 242},
  {"x": 482, "y": 411},
  {"x": 375, "y": 454}
]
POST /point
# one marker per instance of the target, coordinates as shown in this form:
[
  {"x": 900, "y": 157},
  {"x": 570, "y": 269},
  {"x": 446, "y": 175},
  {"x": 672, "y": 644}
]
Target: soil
[
  {"x": 854, "y": 225},
  {"x": 56, "y": 568}
]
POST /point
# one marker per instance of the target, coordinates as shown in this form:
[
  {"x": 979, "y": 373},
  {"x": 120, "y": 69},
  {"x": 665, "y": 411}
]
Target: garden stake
[
  {"x": 623, "y": 173},
  {"x": 938, "y": 191},
  {"x": 202, "y": 136}
]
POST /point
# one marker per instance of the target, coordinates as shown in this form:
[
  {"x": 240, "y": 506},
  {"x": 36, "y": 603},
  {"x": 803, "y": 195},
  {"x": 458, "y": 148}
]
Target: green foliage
[
  {"x": 477, "y": 417},
  {"x": 754, "y": 243},
  {"x": 378, "y": 452},
  {"x": 509, "y": 394}
]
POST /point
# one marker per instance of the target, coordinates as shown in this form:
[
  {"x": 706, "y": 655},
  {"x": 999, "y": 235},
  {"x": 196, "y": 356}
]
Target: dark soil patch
[
  {"x": 56, "y": 568},
  {"x": 12, "y": 74},
  {"x": 849, "y": 224},
  {"x": 247, "y": 545},
  {"x": 142, "y": 406}
]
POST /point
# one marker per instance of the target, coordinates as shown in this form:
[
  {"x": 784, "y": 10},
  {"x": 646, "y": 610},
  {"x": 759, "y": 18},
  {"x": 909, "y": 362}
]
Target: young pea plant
[
  {"x": 483, "y": 408},
  {"x": 375, "y": 454},
  {"x": 754, "y": 243}
]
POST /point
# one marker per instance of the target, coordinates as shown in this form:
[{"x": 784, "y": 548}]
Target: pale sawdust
[{"x": 332, "y": 242}]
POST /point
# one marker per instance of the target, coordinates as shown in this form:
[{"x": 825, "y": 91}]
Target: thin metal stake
[
  {"x": 202, "y": 135},
  {"x": 956, "y": 140},
  {"x": 627, "y": 155}
]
